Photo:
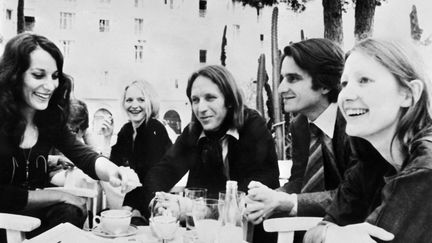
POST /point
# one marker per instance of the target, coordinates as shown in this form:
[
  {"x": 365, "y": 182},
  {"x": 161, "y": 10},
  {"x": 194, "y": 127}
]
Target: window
[
  {"x": 104, "y": 25},
  {"x": 8, "y": 14},
  {"x": 138, "y": 3},
  {"x": 66, "y": 20},
  {"x": 139, "y": 51},
  {"x": 202, "y": 56},
  {"x": 139, "y": 26},
  {"x": 202, "y": 8},
  {"x": 29, "y": 23},
  {"x": 66, "y": 47}
]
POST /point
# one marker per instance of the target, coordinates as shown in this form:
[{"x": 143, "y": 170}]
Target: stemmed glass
[{"x": 164, "y": 218}]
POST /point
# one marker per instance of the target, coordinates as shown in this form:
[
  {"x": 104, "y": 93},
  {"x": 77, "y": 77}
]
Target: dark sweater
[
  {"x": 399, "y": 202},
  {"x": 13, "y": 183},
  {"x": 151, "y": 143}
]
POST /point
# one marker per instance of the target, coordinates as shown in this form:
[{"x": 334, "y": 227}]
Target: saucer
[{"x": 131, "y": 231}]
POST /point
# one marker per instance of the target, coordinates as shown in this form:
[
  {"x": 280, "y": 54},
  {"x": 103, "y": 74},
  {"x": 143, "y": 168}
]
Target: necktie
[
  {"x": 313, "y": 179},
  {"x": 333, "y": 176}
]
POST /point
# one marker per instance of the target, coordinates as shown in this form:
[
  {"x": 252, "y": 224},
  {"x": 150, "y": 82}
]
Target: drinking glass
[
  {"x": 205, "y": 213},
  {"x": 164, "y": 218},
  {"x": 193, "y": 193}
]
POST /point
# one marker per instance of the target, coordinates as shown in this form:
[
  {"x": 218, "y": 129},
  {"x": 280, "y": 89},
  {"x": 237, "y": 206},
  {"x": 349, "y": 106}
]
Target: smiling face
[
  {"x": 40, "y": 80},
  {"x": 297, "y": 93},
  {"x": 134, "y": 105},
  {"x": 208, "y": 104},
  {"x": 370, "y": 99}
]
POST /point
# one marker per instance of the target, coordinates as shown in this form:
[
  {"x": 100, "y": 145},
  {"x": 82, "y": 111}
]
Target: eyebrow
[
  {"x": 293, "y": 75},
  {"x": 37, "y": 69}
]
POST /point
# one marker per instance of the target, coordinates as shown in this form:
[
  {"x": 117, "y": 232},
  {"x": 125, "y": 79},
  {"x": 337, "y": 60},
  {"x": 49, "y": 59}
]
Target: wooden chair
[
  {"x": 92, "y": 200},
  {"x": 288, "y": 225},
  {"x": 17, "y": 225}
]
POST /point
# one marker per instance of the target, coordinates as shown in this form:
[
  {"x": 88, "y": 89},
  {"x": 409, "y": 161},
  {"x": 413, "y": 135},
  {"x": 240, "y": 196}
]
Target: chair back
[
  {"x": 17, "y": 225},
  {"x": 288, "y": 225}
]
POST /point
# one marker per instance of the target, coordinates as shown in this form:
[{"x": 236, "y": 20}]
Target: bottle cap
[{"x": 231, "y": 183}]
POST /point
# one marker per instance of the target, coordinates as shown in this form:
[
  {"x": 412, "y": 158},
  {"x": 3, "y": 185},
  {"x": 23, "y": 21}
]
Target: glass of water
[
  {"x": 193, "y": 193},
  {"x": 164, "y": 218}
]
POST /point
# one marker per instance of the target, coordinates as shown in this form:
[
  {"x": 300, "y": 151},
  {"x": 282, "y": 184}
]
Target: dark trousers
[{"x": 54, "y": 215}]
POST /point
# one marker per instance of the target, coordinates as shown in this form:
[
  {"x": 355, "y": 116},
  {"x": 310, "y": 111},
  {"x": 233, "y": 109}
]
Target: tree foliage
[{"x": 257, "y": 3}]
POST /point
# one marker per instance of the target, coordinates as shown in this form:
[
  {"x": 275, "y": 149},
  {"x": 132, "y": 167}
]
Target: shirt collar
[
  {"x": 327, "y": 120},
  {"x": 233, "y": 132}
]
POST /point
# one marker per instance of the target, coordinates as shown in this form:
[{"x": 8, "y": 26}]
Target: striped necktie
[{"x": 313, "y": 179}]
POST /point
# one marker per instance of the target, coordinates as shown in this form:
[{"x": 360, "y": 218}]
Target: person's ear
[
  {"x": 412, "y": 95},
  {"x": 324, "y": 91}
]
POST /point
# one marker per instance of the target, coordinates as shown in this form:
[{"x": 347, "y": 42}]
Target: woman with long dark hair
[{"x": 34, "y": 109}]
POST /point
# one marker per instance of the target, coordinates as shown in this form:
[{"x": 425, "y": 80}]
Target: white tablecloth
[{"x": 67, "y": 233}]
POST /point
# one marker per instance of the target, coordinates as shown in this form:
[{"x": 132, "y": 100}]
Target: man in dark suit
[{"x": 311, "y": 72}]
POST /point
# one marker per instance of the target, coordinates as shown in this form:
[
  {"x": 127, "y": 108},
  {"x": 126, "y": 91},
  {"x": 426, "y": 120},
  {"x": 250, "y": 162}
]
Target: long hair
[
  {"x": 13, "y": 64},
  {"x": 229, "y": 89},
  {"x": 323, "y": 60},
  {"x": 151, "y": 106},
  {"x": 405, "y": 64}
]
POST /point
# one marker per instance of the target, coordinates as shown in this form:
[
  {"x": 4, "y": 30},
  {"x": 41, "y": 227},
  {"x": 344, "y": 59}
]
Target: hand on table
[
  {"x": 356, "y": 233},
  {"x": 184, "y": 204},
  {"x": 262, "y": 202}
]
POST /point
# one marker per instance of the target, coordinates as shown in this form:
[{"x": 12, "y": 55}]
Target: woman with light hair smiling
[
  {"x": 385, "y": 99},
  {"x": 143, "y": 140}
]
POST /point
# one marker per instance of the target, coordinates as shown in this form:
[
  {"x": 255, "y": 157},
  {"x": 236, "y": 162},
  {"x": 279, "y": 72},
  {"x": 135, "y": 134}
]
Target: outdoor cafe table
[{"x": 67, "y": 233}]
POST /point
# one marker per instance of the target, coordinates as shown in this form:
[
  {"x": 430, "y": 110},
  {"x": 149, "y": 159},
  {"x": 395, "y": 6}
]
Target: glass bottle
[{"x": 231, "y": 230}]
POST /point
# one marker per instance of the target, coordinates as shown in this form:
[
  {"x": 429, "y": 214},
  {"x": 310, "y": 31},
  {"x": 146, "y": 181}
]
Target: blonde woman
[
  {"x": 386, "y": 196},
  {"x": 143, "y": 140}
]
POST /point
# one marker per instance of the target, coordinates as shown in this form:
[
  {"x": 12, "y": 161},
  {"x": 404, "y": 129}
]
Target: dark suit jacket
[{"x": 315, "y": 203}]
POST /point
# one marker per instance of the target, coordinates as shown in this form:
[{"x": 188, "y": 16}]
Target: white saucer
[{"x": 131, "y": 231}]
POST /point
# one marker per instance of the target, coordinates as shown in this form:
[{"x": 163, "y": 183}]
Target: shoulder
[
  {"x": 155, "y": 124},
  {"x": 420, "y": 154},
  {"x": 6, "y": 146},
  {"x": 252, "y": 117},
  {"x": 254, "y": 126},
  {"x": 126, "y": 128}
]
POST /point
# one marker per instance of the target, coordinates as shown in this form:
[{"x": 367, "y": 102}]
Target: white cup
[{"x": 115, "y": 221}]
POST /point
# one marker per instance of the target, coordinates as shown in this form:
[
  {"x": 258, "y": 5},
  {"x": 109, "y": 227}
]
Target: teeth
[
  {"x": 356, "y": 112},
  {"x": 135, "y": 112},
  {"x": 45, "y": 96}
]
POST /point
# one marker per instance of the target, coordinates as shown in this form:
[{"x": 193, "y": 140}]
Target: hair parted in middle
[
  {"x": 229, "y": 89},
  {"x": 323, "y": 60}
]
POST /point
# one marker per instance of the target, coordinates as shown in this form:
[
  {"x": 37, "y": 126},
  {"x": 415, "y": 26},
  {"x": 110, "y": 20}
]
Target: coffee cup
[{"x": 115, "y": 221}]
